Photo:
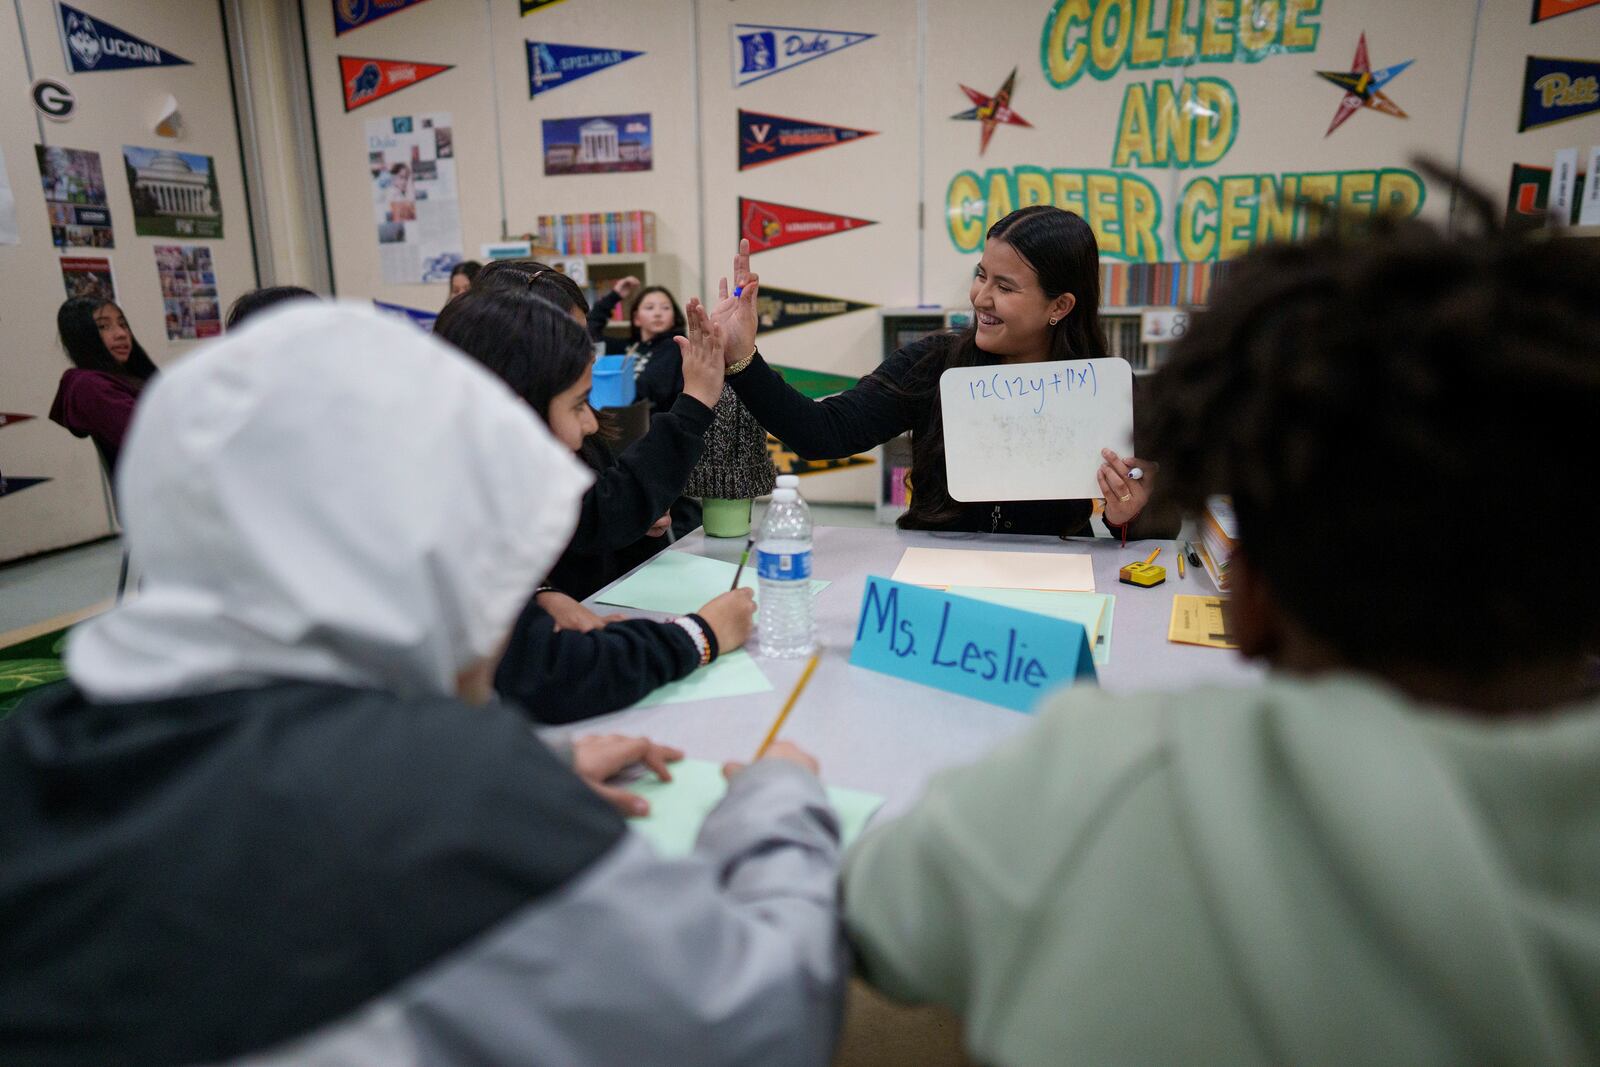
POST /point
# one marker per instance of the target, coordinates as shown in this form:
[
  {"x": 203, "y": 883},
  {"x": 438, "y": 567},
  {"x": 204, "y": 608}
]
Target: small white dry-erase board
[{"x": 1034, "y": 431}]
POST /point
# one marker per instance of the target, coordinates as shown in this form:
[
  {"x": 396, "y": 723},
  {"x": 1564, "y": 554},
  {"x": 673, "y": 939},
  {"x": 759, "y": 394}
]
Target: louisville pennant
[
  {"x": 92, "y": 45},
  {"x": 768, "y": 138},
  {"x": 366, "y": 80},
  {"x": 1555, "y": 90},
  {"x": 780, "y": 309},
  {"x": 1549, "y": 9},
  {"x": 762, "y": 51},
  {"x": 353, "y": 14},
  {"x": 550, "y": 66},
  {"x": 768, "y": 225}
]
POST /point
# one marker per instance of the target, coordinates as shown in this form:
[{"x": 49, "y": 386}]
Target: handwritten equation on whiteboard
[
  {"x": 1034, "y": 431},
  {"x": 1004, "y": 385}
]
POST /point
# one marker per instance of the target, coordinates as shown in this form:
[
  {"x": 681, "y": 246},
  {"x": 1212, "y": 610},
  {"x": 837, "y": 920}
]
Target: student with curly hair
[{"x": 1390, "y": 850}]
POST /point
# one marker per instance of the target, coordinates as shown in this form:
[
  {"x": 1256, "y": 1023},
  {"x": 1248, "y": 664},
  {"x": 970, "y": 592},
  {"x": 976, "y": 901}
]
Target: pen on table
[
  {"x": 1177, "y": 550},
  {"x": 745, "y": 558},
  {"x": 799, "y": 687}
]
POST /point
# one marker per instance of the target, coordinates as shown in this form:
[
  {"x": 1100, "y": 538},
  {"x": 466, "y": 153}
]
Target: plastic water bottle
[{"x": 783, "y": 563}]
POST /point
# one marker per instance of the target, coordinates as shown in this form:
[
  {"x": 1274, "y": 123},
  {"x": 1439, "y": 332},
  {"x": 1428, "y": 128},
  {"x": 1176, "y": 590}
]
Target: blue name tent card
[{"x": 985, "y": 651}]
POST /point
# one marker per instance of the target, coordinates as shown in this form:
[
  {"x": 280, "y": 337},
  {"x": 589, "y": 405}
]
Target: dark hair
[
  {"x": 258, "y": 300},
  {"x": 1355, "y": 392},
  {"x": 468, "y": 269},
  {"x": 1063, "y": 252},
  {"x": 525, "y": 340},
  {"x": 81, "y": 338},
  {"x": 679, "y": 323},
  {"x": 530, "y": 274}
]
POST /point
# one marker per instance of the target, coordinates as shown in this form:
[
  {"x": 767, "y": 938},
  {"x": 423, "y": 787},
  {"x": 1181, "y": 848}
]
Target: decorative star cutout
[
  {"x": 993, "y": 110},
  {"x": 1363, "y": 87}
]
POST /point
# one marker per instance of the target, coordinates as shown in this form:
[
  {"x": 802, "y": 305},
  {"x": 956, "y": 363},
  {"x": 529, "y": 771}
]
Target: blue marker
[{"x": 738, "y": 291}]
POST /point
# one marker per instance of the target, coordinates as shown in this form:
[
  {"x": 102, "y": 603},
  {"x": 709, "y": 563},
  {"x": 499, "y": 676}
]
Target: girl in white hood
[{"x": 260, "y": 825}]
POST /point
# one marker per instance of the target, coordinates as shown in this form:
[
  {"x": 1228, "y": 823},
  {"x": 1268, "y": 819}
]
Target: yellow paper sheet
[
  {"x": 945, "y": 567},
  {"x": 1200, "y": 620}
]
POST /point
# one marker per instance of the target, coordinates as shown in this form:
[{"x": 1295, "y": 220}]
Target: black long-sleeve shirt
[
  {"x": 631, "y": 491},
  {"x": 900, "y": 397},
  {"x": 658, "y": 372}
]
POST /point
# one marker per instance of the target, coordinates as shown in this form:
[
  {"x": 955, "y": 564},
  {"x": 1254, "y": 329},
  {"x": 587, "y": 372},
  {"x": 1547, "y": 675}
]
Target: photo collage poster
[
  {"x": 414, "y": 197},
  {"x": 189, "y": 292},
  {"x": 75, "y": 195}
]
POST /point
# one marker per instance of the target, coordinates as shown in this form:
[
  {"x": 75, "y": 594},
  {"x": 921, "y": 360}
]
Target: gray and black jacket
[{"x": 312, "y": 874}]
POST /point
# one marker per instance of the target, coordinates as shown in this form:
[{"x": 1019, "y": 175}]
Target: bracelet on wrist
[
  {"x": 697, "y": 634},
  {"x": 742, "y": 364}
]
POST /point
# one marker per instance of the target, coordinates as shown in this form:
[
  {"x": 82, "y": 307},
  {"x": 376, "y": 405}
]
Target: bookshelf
[{"x": 604, "y": 269}]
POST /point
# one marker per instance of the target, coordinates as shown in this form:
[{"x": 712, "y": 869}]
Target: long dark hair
[
  {"x": 81, "y": 338},
  {"x": 526, "y": 341},
  {"x": 1062, "y": 250},
  {"x": 679, "y": 323}
]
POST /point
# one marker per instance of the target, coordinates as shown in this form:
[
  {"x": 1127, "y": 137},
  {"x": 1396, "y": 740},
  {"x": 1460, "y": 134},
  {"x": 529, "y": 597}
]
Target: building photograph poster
[
  {"x": 174, "y": 193},
  {"x": 597, "y": 144},
  {"x": 75, "y": 196},
  {"x": 412, "y": 163}
]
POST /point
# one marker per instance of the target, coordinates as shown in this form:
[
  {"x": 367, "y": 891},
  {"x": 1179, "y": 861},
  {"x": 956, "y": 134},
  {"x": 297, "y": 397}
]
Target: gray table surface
[{"x": 888, "y": 736}]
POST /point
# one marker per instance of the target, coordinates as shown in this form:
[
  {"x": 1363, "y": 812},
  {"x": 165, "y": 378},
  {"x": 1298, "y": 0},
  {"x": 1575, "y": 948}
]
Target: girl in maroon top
[{"x": 96, "y": 398}]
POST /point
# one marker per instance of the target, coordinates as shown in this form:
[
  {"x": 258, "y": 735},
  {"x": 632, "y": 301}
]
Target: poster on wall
[
  {"x": 75, "y": 195},
  {"x": 88, "y": 276},
  {"x": 411, "y": 159},
  {"x": 174, "y": 193},
  {"x": 189, "y": 291},
  {"x": 1549, "y": 9},
  {"x": 1555, "y": 90},
  {"x": 91, "y": 45},
  {"x": 768, "y": 225},
  {"x": 353, "y": 14},
  {"x": 767, "y": 138},
  {"x": 597, "y": 144},
  {"x": 762, "y": 51},
  {"x": 367, "y": 80},
  {"x": 8, "y": 207}
]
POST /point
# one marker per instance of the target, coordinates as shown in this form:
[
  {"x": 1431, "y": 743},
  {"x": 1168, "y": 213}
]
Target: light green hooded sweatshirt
[{"x": 1310, "y": 872}]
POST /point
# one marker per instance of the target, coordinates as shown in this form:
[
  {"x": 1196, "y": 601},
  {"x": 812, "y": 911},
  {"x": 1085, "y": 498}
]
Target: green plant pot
[{"x": 726, "y": 518}]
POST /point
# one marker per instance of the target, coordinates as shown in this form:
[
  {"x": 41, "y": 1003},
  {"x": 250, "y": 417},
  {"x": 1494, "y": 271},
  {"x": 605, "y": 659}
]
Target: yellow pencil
[
  {"x": 1178, "y": 548},
  {"x": 1152, "y": 557},
  {"x": 799, "y": 687}
]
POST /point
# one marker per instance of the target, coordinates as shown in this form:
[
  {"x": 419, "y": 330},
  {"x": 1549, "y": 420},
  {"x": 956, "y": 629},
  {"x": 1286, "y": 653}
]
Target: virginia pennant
[
  {"x": 95, "y": 44},
  {"x": 366, "y": 80},
  {"x": 769, "y": 138},
  {"x": 768, "y": 225}
]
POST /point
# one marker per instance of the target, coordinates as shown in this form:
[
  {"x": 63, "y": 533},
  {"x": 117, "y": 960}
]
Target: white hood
[{"x": 326, "y": 495}]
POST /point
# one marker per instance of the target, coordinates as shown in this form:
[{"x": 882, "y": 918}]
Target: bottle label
[{"x": 784, "y": 566}]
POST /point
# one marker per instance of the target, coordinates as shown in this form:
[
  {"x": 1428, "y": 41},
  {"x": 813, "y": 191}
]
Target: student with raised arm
[
  {"x": 1035, "y": 296},
  {"x": 274, "y": 816},
  {"x": 1387, "y": 852}
]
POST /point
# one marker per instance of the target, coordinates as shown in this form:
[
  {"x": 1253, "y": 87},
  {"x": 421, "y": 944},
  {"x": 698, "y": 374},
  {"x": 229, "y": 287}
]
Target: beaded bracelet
[{"x": 697, "y": 635}]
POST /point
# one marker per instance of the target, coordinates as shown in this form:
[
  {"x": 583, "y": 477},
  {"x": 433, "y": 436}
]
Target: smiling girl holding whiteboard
[{"x": 1035, "y": 297}]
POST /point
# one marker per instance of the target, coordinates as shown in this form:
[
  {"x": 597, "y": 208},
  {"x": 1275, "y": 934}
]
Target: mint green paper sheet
[
  {"x": 1081, "y": 608},
  {"x": 678, "y": 807},
  {"x": 731, "y": 675},
  {"x": 680, "y": 582}
]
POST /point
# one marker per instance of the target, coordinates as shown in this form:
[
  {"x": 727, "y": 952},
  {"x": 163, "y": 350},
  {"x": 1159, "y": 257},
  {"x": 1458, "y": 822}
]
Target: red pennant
[
  {"x": 767, "y": 225},
  {"x": 1549, "y": 9},
  {"x": 10, "y": 419},
  {"x": 366, "y": 80}
]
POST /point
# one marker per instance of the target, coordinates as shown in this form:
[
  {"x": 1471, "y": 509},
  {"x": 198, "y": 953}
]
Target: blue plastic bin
[{"x": 613, "y": 382}]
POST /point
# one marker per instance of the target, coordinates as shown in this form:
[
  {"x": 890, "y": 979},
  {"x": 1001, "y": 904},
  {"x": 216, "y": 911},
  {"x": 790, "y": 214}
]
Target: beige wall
[{"x": 115, "y": 108}]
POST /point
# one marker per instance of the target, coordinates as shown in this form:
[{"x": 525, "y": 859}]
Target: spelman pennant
[
  {"x": 551, "y": 66},
  {"x": 1555, "y": 90},
  {"x": 92, "y": 44},
  {"x": 1549, "y": 9},
  {"x": 779, "y": 309},
  {"x": 366, "y": 80},
  {"x": 769, "y": 138},
  {"x": 768, "y": 225},
  {"x": 353, "y": 14},
  {"x": 762, "y": 51}
]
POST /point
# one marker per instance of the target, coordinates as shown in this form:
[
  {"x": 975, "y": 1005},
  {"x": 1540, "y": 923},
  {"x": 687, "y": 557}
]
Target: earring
[{"x": 1054, "y": 321}]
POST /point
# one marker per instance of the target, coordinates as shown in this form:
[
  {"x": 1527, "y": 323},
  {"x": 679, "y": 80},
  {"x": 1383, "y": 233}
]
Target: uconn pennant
[{"x": 94, "y": 44}]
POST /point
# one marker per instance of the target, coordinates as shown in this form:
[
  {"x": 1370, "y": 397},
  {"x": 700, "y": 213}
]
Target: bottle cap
[
  {"x": 784, "y": 496},
  {"x": 789, "y": 481}
]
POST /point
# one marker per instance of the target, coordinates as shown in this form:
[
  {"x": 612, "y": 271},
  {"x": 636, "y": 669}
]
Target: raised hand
[{"x": 701, "y": 350}]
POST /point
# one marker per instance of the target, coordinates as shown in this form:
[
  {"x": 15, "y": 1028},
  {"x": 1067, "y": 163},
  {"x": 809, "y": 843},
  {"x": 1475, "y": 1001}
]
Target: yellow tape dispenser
[{"x": 1143, "y": 574}]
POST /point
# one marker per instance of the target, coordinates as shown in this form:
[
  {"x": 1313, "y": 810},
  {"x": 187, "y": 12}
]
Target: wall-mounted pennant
[
  {"x": 1549, "y": 9},
  {"x": 762, "y": 51},
  {"x": 768, "y": 225},
  {"x": 9, "y": 485},
  {"x": 550, "y": 66},
  {"x": 780, "y": 309},
  {"x": 769, "y": 138},
  {"x": 1363, "y": 87},
  {"x": 815, "y": 384},
  {"x": 366, "y": 79},
  {"x": 992, "y": 111},
  {"x": 423, "y": 319},
  {"x": 353, "y": 14},
  {"x": 10, "y": 418},
  {"x": 529, "y": 6},
  {"x": 1555, "y": 90},
  {"x": 92, "y": 44},
  {"x": 787, "y": 462}
]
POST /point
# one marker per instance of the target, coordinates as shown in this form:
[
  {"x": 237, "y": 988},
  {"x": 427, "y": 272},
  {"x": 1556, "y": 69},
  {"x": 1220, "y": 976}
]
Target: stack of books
[
  {"x": 1128, "y": 285},
  {"x": 1219, "y": 533},
  {"x": 596, "y": 233}
]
